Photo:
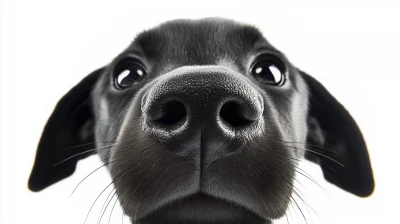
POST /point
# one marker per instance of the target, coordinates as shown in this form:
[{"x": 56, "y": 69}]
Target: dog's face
[{"x": 203, "y": 122}]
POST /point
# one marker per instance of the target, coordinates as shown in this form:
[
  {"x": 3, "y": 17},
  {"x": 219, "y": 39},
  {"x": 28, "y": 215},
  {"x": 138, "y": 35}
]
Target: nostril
[
  {"x": 172, "y": 112},
  {"x": 233, "y": 114}
]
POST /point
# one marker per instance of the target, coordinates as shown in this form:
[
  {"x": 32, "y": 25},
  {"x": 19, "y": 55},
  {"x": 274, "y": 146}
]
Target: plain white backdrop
[{"x": 46, "y": 47}]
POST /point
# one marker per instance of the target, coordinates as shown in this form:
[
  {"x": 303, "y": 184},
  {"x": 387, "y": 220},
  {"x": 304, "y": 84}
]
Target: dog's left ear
[
  {"x": 66, "y": 137},
  {"x": 335, "y": 142}
]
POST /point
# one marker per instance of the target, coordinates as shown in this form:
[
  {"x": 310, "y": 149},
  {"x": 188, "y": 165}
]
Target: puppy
[{"x": 202, "y": 121}]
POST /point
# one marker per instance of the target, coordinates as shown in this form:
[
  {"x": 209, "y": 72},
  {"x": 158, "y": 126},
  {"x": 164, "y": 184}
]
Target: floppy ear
[
  {"x": 68, "y": 132},
  {"x": 336, "y": 142}
]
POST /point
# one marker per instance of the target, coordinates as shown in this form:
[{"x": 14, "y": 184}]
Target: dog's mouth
[{"x": 204, "y": 209}]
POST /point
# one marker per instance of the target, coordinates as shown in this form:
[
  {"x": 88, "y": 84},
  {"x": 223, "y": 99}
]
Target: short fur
[{"x": 205, "y": 170}]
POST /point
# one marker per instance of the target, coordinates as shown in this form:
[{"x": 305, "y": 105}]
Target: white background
[{"x": 351, "y": 47}]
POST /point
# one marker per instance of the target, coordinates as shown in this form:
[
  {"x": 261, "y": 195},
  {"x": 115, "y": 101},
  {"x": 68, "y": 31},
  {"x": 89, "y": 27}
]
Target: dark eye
[
  {"x": 269, "y": 71},
  {"x": 127, "y": 73}
]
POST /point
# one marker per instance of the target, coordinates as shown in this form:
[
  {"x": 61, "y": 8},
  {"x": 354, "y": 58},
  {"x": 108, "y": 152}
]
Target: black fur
[{"x": 231, "y": 157}]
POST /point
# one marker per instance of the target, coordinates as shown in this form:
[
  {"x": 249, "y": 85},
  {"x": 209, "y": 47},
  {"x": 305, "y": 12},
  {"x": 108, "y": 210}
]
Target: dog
[{"x": 202, "y": 121}]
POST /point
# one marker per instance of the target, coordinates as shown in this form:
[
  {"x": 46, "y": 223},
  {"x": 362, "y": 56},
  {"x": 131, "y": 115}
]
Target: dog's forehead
[{"x": 200, "y": 41}]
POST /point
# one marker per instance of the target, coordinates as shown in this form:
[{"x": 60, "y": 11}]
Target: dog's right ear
[{"x": 67, "y": 136}]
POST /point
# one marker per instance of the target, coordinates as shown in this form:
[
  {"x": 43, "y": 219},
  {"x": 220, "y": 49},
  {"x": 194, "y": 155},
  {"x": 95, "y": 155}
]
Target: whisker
[
  {"x": 288, "y": 210},
  {"x": 86, "y": 144},
  {"x": 84, "y": 152},
  {"x": 329, "y": 166},
  {"x": 87, "y": 216},
  {"x": 89, "y": 175},
  {"x": 312, "y": 145},
  {"x": 305, "y": 174},
  {"x": 297, "y": 192},
  {"x": 309, "y": 150},
  {"x": 91, "y": 150},
  {"x": 333, "y": 178},
  {"x": 300, "y": 183},
  {"x": 293, "y": 208},
  {"x": 328, "y": 157},
  {"x": 115, "y": 179},
  {"x": 104, "y": 204},
  {"x": 311, "y": 179},
  {"x": 111, "y": 192},
  {"x": 107, "y": 207},
  {"x": 287, "y": 219},
  {"x": 109, "y": 219},
  {"x": 304, "y": 203},
  {"x": 299, "y": 209},
  {"x": 94, "y": 142}
]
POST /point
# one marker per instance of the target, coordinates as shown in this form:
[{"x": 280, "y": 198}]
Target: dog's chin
[{"x": 200, "y": 208}]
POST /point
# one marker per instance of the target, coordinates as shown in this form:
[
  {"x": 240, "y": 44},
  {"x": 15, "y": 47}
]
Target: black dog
[{"x": 203, "y": 121}]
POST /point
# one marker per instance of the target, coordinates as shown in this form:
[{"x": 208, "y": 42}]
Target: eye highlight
[
  {"x": 269, "y": 70},
  {"x": 127, "y": 73}
]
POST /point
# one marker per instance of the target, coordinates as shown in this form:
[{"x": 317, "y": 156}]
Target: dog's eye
[
  {"x": 127, "y": 73},
  {"x": 269, "y": 71}
]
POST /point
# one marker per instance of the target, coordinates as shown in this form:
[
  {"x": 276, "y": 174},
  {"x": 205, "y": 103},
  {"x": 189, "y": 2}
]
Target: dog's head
[{"x": 202, "y": 122}]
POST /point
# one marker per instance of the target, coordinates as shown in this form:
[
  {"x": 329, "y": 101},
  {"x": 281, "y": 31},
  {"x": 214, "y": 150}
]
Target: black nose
[{"x": 209, "y": 99}]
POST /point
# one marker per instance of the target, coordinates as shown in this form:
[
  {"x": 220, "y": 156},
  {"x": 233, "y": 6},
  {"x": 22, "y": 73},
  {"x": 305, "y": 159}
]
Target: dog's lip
[{"x": 207, "y": 203}]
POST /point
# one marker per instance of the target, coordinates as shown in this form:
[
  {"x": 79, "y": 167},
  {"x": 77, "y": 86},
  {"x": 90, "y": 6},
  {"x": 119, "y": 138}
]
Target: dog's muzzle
[{"x": 202, "y": 139}]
